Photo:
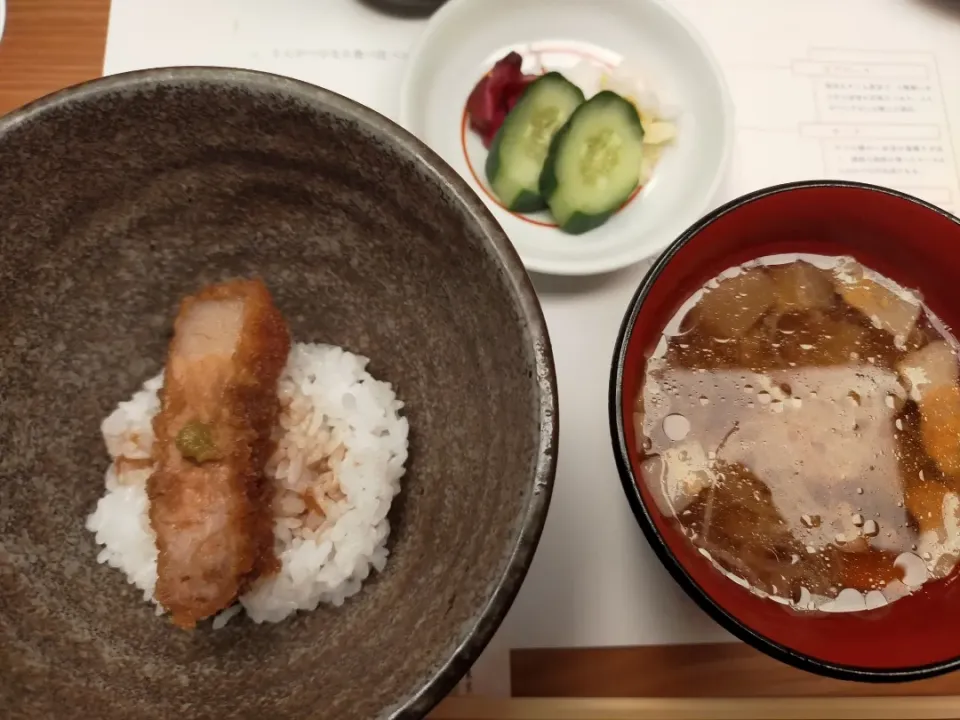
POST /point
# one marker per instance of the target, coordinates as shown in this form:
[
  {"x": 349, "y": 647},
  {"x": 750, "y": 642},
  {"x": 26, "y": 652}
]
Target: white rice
[{"x": 339, "y": 439}]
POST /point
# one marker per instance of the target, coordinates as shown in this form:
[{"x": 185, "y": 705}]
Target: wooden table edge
[{"x": 795, "y": 708}]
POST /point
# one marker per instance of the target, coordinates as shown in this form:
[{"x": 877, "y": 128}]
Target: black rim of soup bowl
[{"x": 629, "y": 481}]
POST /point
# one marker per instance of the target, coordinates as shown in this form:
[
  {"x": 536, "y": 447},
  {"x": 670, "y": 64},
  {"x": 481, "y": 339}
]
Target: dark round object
[
  {"x": 406, "y": 8},
  {"x": 909, "y": 241},
  {"x": 120, "y": 196}
]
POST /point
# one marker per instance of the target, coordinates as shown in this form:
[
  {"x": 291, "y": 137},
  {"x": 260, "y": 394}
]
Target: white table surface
[{"x": 594, "y": 581}]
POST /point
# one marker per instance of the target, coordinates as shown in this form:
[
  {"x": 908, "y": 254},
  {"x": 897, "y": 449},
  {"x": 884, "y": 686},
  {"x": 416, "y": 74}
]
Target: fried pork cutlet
[{"x": 209, "y": 504}]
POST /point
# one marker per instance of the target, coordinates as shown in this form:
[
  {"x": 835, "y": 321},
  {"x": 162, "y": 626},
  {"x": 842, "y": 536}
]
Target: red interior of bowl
[{"x": 908, "y": 242}]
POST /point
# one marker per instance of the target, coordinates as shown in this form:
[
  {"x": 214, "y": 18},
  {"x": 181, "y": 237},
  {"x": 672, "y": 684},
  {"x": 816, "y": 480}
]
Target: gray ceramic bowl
[{"x": 118, "y": 197}]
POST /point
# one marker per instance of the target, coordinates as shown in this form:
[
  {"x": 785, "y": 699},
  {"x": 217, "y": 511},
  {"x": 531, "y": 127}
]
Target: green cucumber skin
[
  {"x": 525, "y": 202},
  {"x": 528, "y": 201},
  {"x": 580, "y": 222}
]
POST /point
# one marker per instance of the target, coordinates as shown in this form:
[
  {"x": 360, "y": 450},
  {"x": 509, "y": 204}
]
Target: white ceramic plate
[
  {"x": 3, "y": 16},
  {"x": 466, "y": 37}
]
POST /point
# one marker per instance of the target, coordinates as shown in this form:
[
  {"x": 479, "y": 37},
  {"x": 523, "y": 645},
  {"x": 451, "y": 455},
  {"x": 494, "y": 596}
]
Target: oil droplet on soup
[{"x": 803, "y": 431}]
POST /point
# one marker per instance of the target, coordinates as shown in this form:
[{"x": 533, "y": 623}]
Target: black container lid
[{"x": 406, "y": 8}]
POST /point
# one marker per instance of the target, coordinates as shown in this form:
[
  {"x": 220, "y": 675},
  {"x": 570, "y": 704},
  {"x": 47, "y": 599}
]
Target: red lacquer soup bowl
[{"x": 909, "y": 241}]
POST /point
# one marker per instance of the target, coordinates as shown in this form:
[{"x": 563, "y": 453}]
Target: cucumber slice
[
  {"x": 594, "y": 163},
  {"x": 520, "y": 146}
]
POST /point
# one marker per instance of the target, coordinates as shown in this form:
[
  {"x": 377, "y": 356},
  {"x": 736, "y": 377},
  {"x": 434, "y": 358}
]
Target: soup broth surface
[{"x": 800, "y": 422}]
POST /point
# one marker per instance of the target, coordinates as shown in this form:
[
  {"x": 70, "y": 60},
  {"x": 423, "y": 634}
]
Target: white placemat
[{"x": 859, "y": 89}]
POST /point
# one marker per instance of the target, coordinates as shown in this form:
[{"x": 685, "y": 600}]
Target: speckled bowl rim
[
  {"x": 621, "y": 450},
  {"x": 498, "y": 245}
]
